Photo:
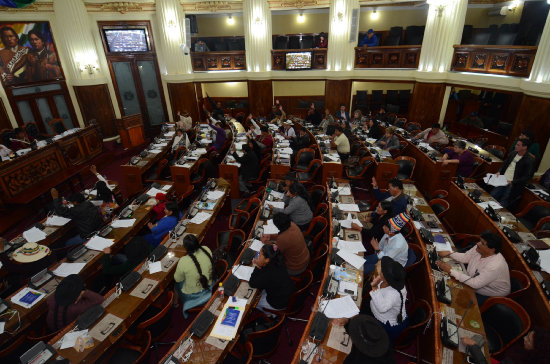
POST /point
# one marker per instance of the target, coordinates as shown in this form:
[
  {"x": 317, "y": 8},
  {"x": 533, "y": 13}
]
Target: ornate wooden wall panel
[
  {"x": 218, "y": 61},
  {"x": 426, "y": 102},
  {"x": 260, "y": 97},
  {"x": 183, "y": 97},
  {"x": 95, "y": 103},
  {"x": 387, "y": 57},
  {"x": 318, "y": 58},
  {"x": 336, "y": 93},
  {"x": 533, "y": 115},
  {"x": 503, "y": 60}
]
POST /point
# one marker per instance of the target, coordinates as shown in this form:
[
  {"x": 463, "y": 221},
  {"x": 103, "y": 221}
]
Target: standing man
[
  {"x": 518, "y": 169},
  {"x": 13, "y": 58}
]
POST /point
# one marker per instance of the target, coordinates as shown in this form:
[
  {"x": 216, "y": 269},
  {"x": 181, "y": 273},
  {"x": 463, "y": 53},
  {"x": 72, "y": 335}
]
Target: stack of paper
[
  {"x": 278, "y": 195},
  {"x": 348, "y": 207},
  {"x": 229, "y": 320},
  {"x": 66, "y": 269},
  {"x": 215, "y": 195},
  {"x": 351, "y": 258},
  {"x": 166, "y": 187},
  {"x": 342, "y": 307},
  {"x": 34, "y": 235},
  {"x": 494, "y": 180},
  {"x": 99, "y": 243},
  {"x": 123, "y": 223},
  {"x": 243, "y": 272},
  {"x": 276, "y": 204},
  {"x": 270, "y": 228},
  {"x": 55, "y": 220},
  {"x": 155, "y": 151},
  {"x": 351, "y": 246},
  {"x": 200, "y": 218},
  {"x": 256, "y": 245},
  {"x": 153, "y": 192},
  {"x": 27, "y": 297}
]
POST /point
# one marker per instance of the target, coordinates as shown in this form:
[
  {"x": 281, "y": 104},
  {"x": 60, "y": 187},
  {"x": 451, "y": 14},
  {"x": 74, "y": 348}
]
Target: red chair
[
  {"x": 464, "y": 242},
  {"x": 128, "y": 352},
  {"x": 534, "y": 215},
  {"x": 157, "y": 173},
  {"x": 317, "y": 263},
  {"x": 156, "y": 319},
  {"x": 303, "y": 159},
  {"x": 440, "y": 194},
  {"x": 496, "y": 150},
  {"x": 406, "y": 167},
  {"x": 230, "y": 239},
  {"x": 265, "y": 342},
  {"x": 419, "y": 315},
  {"x": 310, "y": 174},
  {"x": 315, "y": 231},
  {"x": 419, "y": 257},
  {"x": 262, "y": 176},
  {"x": 199, "y": 172},
  {"x": 519, "y": 282},
  {"x": 439, "y": 206},
  {"x": 250, "y": 205},
  {"x": 321, "y": 209}
]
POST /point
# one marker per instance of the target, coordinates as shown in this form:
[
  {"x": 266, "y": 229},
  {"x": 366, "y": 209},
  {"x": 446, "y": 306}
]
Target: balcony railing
[
  {"x": 497, "y": 59},
  {"x": 387, "y": 57},
  {"x": 218, "y": 61},
  {"x": 318, "y": 60}
]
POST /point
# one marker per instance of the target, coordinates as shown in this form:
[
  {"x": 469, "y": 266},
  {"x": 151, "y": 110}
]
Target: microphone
[
  {"x": 463, "y": 316},
  {"x": 475, "y": 275},
  {"x": 19, "y": 140}
]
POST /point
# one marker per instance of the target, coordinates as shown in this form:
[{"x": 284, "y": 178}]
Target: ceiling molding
[
  {"x": 33, "y": 8},
  {"x": 121, "y": 7},
  {"x": 297, "y": 4},
  {"x": 212, "y": 6}
]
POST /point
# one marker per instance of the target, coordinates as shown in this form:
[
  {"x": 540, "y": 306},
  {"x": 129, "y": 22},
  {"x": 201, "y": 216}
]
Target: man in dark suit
[{"x": 342, "y": 114}]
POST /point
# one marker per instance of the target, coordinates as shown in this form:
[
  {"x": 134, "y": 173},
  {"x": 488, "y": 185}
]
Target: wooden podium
[{"x": 130, "y": 129}]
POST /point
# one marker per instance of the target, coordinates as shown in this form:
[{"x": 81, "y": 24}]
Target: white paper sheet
[
  {"x": 34, "y": 235},
  {"x": 215, "y": 195},
  {"x": 169, "y": 133},
  {"x": 493, "y": 204},
  {"x": 160, "y": 145},
  {"x": 277, "y": 195},
  {"x": 346, "y": 285},
  {"x": 351, "y": 258},
  {"x": 153, "y": 192},
  {"x": 342, "y": 307},
  {"x": 200, "y": 218},
  {"x": 494, "y": 180},
  {"x": 544, "y": 260},
  {"x": 69, "y": 340},
  {"x": 342, "y": 191},
  {"x": 123, "y": 223},
  {"x": 165, "y": 188},
  {"x": 15, "y": 298},
  {"x": 66, "y": 269},
  {"x": 99, "y": 243},
  {"x": 270, "y": 228},
  {"x": 351, "y": 246},
  {"x": 346, "y": 224},
  {"x": 55, "y": 220},
  {"x": 155, "y": 267},
  {"x": 243, "y": 272},
  {"x": 348, "y": 207},
  {"x": 443, "y": 247},
  {"x": 333, "y": 157},
  {"x": 277, "y": 204},
  {"x": 256, "y": 245},
  {"x": 155, "y": 151}
]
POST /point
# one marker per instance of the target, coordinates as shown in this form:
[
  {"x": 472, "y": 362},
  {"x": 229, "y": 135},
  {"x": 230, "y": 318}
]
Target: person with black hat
[
  {"x": 370, "y": 342},
  {"x": 388, "y": 296},
  {"x": 71, "y": 298}
]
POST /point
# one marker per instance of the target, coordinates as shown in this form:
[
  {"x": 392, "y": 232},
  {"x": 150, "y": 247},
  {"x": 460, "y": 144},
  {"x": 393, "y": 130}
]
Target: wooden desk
[
  {"x": 468, "y": 217},
  {"x": 230, "y": 171},
  {"x": 529, "y": 196},
  {"x": 385, "y": 169},
  {"x": 92, "y": 258},
  {"x": 486, "y": 167},
  {"x": 132, "y": 175},
  {"x": 25, "y": 178}
]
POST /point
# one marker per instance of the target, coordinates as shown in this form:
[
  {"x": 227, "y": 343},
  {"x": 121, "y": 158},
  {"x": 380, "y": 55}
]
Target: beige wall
[
  {"x": 392, "y": 18},
  {"x": 225, "y": 89},
  {"x": 362, "y": 86},
  {"x": 298, "y": 88},
  {"x": 479, "y": 18},
  {"x": 288, "y": 23},
  {"x": 216, "y": 26}
]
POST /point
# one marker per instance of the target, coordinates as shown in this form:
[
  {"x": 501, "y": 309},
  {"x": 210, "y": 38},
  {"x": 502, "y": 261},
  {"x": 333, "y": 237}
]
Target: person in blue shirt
[
  {"x": 164, "y": 225},
  {"x": 370, "y": 40},
  {"x": 394, "y": 194}
]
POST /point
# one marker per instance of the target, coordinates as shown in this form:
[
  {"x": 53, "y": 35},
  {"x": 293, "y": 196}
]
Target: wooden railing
[
  {"x": 318, "y": 58},
  {"x": 218, "y": 61},
  {"x": 497, "y": 59},
  {"x": 406, "y": 56}
]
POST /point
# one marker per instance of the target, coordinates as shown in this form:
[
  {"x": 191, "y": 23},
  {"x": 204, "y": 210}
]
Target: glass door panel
[
  {"x": 126, "y": 88},
  {"x": 25, "y": 111},
  {"x": 152, "y": 95},
  {"x": 63, "y": 111},
  {"x": 45, "y": 113}
]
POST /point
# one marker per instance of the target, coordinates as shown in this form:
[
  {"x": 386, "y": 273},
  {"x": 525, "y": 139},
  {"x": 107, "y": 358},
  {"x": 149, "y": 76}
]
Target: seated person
[
  {"x": 342, "y": 114},
  {"x": 288, "y": 130},
  {"x": 291, "y": 242},
  {"x": 313, "y": 116},
  {"x": 194, "y": 274},
  {"x": 392, "y": 244},
  {"x": 374, "y": 228},
  {"x": 164, "y": 225},
  {"x": 185, "y": 122},
  {"x": 433, "y": 135},
  {"x": 135, "y": 252},
  {"x": 322, "y": 42},
  {"x": 297, "y": 208},
  {"x": 358, "y": 118},
  {"x": 180, "y": 140},
  {"x": 370, "y": 342},
  {"x": 25, "y": 262},
  {"x": 264, "y": 138},
  {"x": 200, "y": 46},
  {"x": 534, "y": 149},
  {"x": 382, "y": 115},
  {"x": 518, "y": 168},
  {"x": 300, "y": 141},
  {"x": 389, "y": 141},
  {"x": 5, "y": 152},
  {"x": 388, "y": 296},
  {"x": 373, "y": 130},
  {"x": 341, "y": 142},
  {"x": 369, "y": 40},
  {"x": 327, "y": 119},
  {"x": 70, "y": 300},
  {"x": 85, "y": 215},
  {"x": 93, "y": 169},
  {"x": 158, "y": 209},
  {"x": 249, "y": 169},
  {"x": 270, "y": 275},
  {"x": 487, "y": 272},
  {"x": 473, "y": 120},
  {"x": 20, "y": 141},
  {"x": 459, "y": 154},
  {"x": 394, "y": 194}
]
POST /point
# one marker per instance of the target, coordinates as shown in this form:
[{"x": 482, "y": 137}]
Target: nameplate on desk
[
  {"x": 168, "y": 262},
  {"x": 144, "y": 288},
  {"x": 245, "y": 292},
  {"x": 339, "y": 339},
  {"x": 49, "y": 287},
  {"x": 105, "y": 327},
  {"x": 352, "y": 235},
  {"x": 347, "y": 199},
  {"x": 88, "y": 256},
  {"x": 217, "y": 343}
]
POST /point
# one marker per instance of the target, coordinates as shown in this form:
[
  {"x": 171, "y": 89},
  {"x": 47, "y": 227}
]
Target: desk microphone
[
  {"x": 455, "y": 286},
  {"x": 463, "y": 316},
  {"x": 19, "y": 140}
]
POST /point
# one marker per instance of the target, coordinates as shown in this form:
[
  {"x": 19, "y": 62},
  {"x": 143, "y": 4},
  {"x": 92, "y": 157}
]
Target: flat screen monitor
[
  {"x": 298, "y": 60},
  {"x": 126, "y": 39}
]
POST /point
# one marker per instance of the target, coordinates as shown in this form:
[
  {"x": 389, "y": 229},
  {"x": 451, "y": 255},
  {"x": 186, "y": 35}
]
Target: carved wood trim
[
  {"x": 387, "y": 57},
  {"x": 218, "y": 61}
]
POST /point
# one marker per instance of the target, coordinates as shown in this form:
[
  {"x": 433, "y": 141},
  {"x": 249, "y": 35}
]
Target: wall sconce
[
  {"x": 301, "y": 18},
  {"x": 258, "y": 21},
  {"x": 439, "y": 6},
  {"x": 340, "y": 16},
  {"x": 230, "y": 20},
  {"x": 513, "y": 6},
  {"x": 88, "y": 67},
  {"x": 171, "y": 24},
  {"x": 374, "y": 15}
]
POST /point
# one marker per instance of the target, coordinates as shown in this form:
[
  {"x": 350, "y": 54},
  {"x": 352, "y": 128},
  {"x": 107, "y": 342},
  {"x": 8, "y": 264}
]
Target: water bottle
[{"x": 220, "y": 289}]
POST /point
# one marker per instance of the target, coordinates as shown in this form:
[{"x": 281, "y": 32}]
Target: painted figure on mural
[
  {"x": 13, "y": 57},
  {"x": 42, "y": 63}
]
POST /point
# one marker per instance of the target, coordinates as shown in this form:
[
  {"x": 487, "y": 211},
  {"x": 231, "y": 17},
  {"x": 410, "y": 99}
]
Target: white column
[
  {"x": 171, "y": 26},
  {"x": 443, "y": 30},
  {"x": 77, "y": 43},
  {"x": 257, "y": 35},
  {"x": 540, "y": 72},
  {"x": 341, "y": 53}
]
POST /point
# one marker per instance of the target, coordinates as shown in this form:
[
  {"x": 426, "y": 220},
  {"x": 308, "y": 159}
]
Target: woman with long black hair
[
  {"x": 298, "y": 207},
  {"x": 271, "y": 276},
  {"x": 194, "y": 275}
]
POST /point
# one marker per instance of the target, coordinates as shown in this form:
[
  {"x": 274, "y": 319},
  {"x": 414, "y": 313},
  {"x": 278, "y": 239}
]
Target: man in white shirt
[
  {"x": 487, "y": 271},
  {"x": 341, "y": 142},
  {"x": 185, "y": 122},
  {"x": 288, "y": 130}
]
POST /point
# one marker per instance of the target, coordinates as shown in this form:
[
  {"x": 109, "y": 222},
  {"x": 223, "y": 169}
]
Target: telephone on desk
[
  {"x": 143, "y": 154},
  {"x": 266, "y": 213},
  {"x": 76, "y": 253},
  {"x": 126, "y": 213},
  {"x": 426, "y": 235},
  {"x": 331, "y": 288},
  {"x": 135, "y": 160},
  {"x": 129, "y": 280},
  {"x": 443, "y": 292},
  {"x": 105, "y": 231},
  {"x": 40, "y": 278},
  {"x": 180, "y": 229},
  {"x": 212, "y": 184},
  {"x": 511, "y": 235},
  {"x": 193, "y": 212},
  {"x": 449, "y": 333}
]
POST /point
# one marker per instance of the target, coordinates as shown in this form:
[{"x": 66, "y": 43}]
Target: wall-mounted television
[
  {"x": 126, "y": 39},
  {"x": 298, "y": 60}
]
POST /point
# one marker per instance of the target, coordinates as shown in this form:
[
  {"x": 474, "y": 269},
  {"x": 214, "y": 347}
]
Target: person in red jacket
[{"x": 158, "y": 209}]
